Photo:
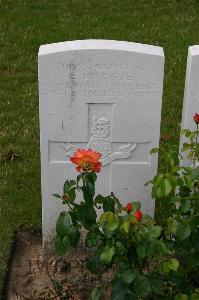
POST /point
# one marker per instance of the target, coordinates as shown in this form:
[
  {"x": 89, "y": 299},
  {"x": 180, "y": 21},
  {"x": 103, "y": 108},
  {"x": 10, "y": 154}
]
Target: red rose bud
[
  {"x": 65, "y": 197},
  {"x": 165, "y": 137},
  {"x": 138, "y": 215},
  {"x": 196, "y": 118},
  {"x": 129, "y": 207}
]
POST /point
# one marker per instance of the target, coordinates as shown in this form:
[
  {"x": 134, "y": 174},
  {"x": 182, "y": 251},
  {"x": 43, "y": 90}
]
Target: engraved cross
[{"x": 100, "y": 139}]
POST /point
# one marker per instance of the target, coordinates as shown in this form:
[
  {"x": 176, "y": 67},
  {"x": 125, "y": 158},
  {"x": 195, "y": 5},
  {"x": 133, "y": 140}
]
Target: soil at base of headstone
[{"x": 33, "y": 277}]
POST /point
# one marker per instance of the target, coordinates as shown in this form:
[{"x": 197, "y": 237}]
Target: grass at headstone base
[{"x": 24, "y": 25}]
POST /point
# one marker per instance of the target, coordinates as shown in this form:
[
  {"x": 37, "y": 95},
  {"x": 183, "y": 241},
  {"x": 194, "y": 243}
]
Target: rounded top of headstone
[
  {"x": 100, "y": 44},
  {"x": 194, "y": 50}
]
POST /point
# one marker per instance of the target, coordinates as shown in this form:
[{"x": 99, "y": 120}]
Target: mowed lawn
[{"x": 24, "y": 25}]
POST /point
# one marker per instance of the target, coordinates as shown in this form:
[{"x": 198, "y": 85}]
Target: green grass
[{"x": 27, "y": 24}]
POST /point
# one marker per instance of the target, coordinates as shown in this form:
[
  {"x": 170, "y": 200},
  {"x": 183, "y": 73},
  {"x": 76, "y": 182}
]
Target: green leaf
[
  {"x": 92, "y": 239},
  {"x": 151, "y": 248},
  {"x": 125, "y": 226},
  {"x": 119, "y": 248},
  {"x": 176, "y": 169},
  {"x": 88, "y": 195},
  {"x": 93, "y": 261},
  {"x": 156, "y": 190},
  {"x": 148, "y": 182},
  {"x": 173, "y": 180},
  {"x": 130, "y": 296},
  {"x": 172, "y": 225},
  {"x": 170, "y": 160},
  {"x": 155, "y": 231},
  {"x": 72, "y": 194},
  {"x": 73, "y": 236},
  {"x": 96, "y": 293},
  {"x": 170, "y": 265},
  {"x": 158, "y": 178},
  {"x": 186, "y": 146},
  {"x": 187, "y": 170},
  {"x": 181, "y": 297},
  {"x": 107, "y": 233},
  {"x": 185, "y": 205},
  {"x": 91, "y": 177},
  {"x": 99, "y": 199},
  {"x": 174, "y": 264},
  {"x": 119, "y": 290},
  {"x": 128, "y": 276},
  {"x": 195, "y": 174},
  {"x": 86, "y": 214},
  {"x": 165, "y": 267},
  {"x": 116, "y": 201},
  {"x": 166, "y": 187},
  {"x": 157, "y": 193},
  {"x": 142, "y": 249},
  {"x": 107, "y": 255},
  {"x": 154, "y": 150},
  {"x": 157, "y": 284},
  {"x": 188, "y": 181},
  {"x": 73, "y": 215},
  {"x": 184, "y": 230},
  {"x": 66, "y": 187},
  {"x": 60, "y": 246},
  {"x": 91, "y": 188},
  {"x": 184, "y": 191},
  {"x": 110, "y": 220},
  {"x": 63, "y": 224},
  {"x": 192, "y": 135},
  {"x": 56, "y": 195},
  {"x": 108, "y": 204},
  {"x": 194, "y": 296},
  {"x": 174, "y": 199},
  {"x": 68, "y": 184},
  {"x": 136, "y": 206},
  {"x": 185, "y": 131},
  {"x": 142, "y": 286},
  {"x": 160, "y": 246},
  {"x": 79, "y": 177},
  {"x": 65, "y": 241},
  {"x": 132, "y": 255}
]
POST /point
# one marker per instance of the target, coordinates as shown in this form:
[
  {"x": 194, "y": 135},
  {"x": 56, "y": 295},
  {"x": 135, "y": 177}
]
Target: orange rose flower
[{"x": 86, "y": 160}]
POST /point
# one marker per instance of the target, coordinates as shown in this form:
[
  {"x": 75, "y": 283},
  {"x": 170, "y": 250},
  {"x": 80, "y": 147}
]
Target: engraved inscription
[
  {"x": 102, "y": 80},
  {"x": 100, "y": 89},
  {"x": 62, "y": 66}
]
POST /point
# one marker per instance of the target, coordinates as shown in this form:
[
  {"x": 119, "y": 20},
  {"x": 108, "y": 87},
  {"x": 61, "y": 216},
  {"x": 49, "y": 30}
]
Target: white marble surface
[
  {"x": 104, "y": 95},
  {"x": 191, "y": 96}
]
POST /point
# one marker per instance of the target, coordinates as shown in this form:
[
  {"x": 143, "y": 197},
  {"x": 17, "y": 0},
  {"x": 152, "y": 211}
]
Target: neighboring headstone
[
  {"x": 107, "y": 96},
  {"x": 191, "y": 96}
]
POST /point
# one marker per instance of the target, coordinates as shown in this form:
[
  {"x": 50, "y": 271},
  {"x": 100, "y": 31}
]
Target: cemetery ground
[
  {"x": 25, "y": 25},
  {"x": 33, "y": 277}
]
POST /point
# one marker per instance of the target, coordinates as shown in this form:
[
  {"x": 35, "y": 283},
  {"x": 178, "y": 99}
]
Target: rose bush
[{"x": 148, "y": 261}]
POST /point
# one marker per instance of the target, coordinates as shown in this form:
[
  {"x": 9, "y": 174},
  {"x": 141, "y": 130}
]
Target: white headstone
[
  {"x": 191, "y": 96},
  {"x": 104, "y": 95}
]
